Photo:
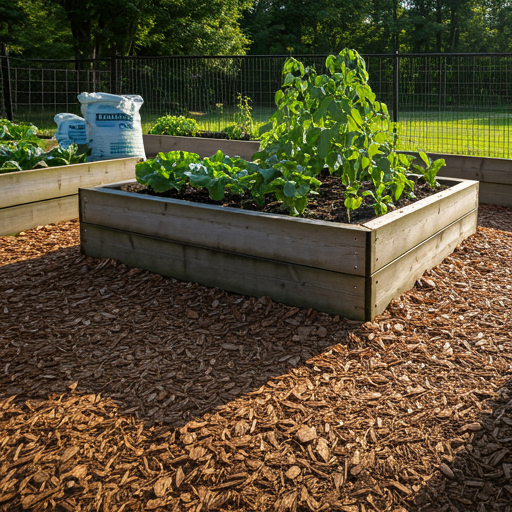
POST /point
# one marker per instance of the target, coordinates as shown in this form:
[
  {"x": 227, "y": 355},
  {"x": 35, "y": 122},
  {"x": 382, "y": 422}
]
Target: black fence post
[
  {"x": 6, "y": 81},
  {"x": 113, "y": 75},
  {"x": 396, "y": 90},
  {"x": 396, "y": 85}
]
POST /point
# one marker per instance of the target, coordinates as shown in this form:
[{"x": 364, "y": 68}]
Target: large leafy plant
[{"x": 334, "y": 121}]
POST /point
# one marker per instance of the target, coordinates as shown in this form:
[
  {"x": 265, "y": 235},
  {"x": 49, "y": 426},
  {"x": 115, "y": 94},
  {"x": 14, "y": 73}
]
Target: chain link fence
[{"x": 451, "y": 103}]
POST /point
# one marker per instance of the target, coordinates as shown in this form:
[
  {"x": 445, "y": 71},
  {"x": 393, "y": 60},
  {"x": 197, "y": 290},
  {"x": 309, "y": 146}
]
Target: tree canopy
[
  {"x": 379, "y": 26},
  {"x": 101, "y": 28}
]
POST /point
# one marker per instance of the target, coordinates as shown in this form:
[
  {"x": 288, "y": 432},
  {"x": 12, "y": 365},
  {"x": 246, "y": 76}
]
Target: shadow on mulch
[
  {"x": 475, "y": 473},
  {"x": 495, "y": 217},
  {"x": 164, "y": 350}
]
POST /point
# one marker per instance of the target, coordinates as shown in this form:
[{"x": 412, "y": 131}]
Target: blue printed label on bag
[{"x": 118, "y": 116}]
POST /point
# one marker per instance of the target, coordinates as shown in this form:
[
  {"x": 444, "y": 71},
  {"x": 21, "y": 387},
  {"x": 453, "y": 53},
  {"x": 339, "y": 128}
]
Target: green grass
[{"x": 466, "y": 133}]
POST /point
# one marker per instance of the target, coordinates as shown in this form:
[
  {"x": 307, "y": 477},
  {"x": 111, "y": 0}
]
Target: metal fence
[{"x": 452, "y": 103}]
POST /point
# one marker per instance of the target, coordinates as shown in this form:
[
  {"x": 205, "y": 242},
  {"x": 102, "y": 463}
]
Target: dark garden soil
[
  {"x": 121, "y": 390},
  {"x": 327, "y": 205}
]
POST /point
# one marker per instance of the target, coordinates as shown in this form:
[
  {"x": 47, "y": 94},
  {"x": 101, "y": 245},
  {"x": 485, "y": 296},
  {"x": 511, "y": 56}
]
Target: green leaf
[
  {"x": 324, "y": 143},
  {"x": 265, "y": 128},
  {"x": 324, "y": 105},
  {"x": 218, "y": 157},
  {"x": 383, "y": 164},
  {"x": 356, "y": 116},
  {"x": 353, "y": 203},
  {"x": 312, "y": 135},
  {"x": 425, "y": 158},
  {"x": 216, "y": 190},
  {"x": 373, "y": 150},
  {"x": 158, "y": 183},
  {"x": 289, "y": 79},
  {"x": 289, "y": 189}
]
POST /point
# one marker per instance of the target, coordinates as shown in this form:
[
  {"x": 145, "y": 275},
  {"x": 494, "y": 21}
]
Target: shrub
[{"x": 175, "y": 125}]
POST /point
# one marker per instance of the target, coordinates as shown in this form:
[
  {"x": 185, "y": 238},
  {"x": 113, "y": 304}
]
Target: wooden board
[
  {"x": 489, "y": 170},
  {"x": 296, "y": 285},
  {"x": 398, "y": 232},
  {"x": 496, "y": 193},
  {"x": 154, "y": 144},
  {"x": 400, "y": 275},
  {"x": 18, "y": 218},
  {"x": 37, "y": 185},
  {"x": 318, "y": 244}
]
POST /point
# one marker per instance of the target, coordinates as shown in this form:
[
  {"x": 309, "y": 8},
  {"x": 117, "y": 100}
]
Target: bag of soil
[{"x": 113, "y": 125}]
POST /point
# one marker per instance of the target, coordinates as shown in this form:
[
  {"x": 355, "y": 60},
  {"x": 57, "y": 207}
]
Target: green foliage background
[{"x": 101, "y": 28}]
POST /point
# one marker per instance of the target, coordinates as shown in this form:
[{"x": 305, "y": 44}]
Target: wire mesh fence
[{"x": 451, "y": 103}]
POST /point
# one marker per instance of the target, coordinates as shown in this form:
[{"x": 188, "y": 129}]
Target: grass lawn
[
  {"x": 455, "y": 132},
  {"x": 463, "y": 133}
]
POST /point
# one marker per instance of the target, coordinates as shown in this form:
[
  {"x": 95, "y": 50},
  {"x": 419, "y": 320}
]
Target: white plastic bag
[
  {"x": 113, "y": 125},
  {"x": 70, "y": 130}
]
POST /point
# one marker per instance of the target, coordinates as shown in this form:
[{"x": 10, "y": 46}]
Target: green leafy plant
[
  {"x": 175, "y": 125},
  {"x": 429, "y": 172},
  {"x": 10, "y": 131},
  {"x": 220, "y": 174},
  {"x": 323, "y": 122},
  {"x": 242, "y": 129},
  {"x": 21, "y": 157},
  {"x": 334, "y": 121},
  {"x": 24, "y": 156},
  {"x": 60, "y": 156}
]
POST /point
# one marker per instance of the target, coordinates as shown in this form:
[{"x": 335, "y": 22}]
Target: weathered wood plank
[
  {"x": 488, "y": 170},
  {"x": 18, "y": 218},
  {"x": 37, "y": 185},
  {"x": 319, "y": 244},
  {"x": 398, "y": 232},
  {"x": 295, "y": 285},
  {"x": 496, "y": 193},
  {"x": 154, "y": 144},
  {"x": 401, "y": 274}
]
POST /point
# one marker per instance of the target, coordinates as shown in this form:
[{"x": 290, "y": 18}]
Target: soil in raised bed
[
  {"x": 327, "y": 205},
  {"x": 122, "y": 390}
]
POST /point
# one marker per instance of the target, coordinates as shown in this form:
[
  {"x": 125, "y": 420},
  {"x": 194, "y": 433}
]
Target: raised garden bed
[
  {"x": 350, "y": 270},
  {"x": 44, "y": 196},
  {"x": 493, "y": 174},
  {"x": 154, "y": 144}
]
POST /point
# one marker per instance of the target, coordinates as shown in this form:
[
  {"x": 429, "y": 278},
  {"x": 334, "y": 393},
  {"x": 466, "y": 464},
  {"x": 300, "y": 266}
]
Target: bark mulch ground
[{"x": 121, "y": 390}]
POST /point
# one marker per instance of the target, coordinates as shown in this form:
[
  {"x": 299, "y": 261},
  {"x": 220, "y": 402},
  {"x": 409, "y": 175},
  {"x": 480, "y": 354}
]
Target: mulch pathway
[{"x": 121, "y": 390}]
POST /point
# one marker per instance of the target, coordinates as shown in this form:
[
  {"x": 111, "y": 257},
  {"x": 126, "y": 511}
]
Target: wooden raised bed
[
  {"x": 154, "y": 144},
  {"x": 42, "y": 196},
  {"x": 350, "y": 270},
  {"x": 493, "y": 174}
]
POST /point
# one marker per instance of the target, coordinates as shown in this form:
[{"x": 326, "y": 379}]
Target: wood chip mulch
[{"x": 121, "y": 390}]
